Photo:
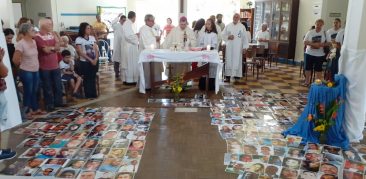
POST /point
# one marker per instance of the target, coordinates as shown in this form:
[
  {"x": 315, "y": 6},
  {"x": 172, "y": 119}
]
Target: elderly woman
[
  {"x": 26, "y": 56},
  {"x": 67, "y": 46}
]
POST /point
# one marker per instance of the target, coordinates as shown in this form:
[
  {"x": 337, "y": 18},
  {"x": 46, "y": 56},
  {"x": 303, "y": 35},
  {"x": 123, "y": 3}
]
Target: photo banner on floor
[{"x": 14, "y": 117}]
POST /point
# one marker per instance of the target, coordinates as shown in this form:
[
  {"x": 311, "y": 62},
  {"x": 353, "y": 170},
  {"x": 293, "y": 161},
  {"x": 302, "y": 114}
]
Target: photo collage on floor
[
  {"x": 74, "y": 143},
  {"x": 251, "y": 123},
  {"x": 199, "y": 101}
]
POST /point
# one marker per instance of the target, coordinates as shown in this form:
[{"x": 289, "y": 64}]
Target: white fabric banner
[
  {"x": 14, "y": 117},
  {"x": 164, "y": 55},
  {"x": 352, "y": 64}
]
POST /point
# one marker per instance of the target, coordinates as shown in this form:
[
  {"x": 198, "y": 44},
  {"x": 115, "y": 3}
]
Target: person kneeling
[{"x": 68, "y": 73}]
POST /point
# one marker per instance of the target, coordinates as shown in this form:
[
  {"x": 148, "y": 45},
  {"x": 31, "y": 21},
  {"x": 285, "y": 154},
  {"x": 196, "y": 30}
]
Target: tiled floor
[{"x": 179, "y": 145}]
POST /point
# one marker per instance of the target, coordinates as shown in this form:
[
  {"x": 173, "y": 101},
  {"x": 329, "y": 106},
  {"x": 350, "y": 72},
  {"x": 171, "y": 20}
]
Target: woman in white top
[
  {"x": 209, "y": 37},
  {"x": 88, "y": 52}
]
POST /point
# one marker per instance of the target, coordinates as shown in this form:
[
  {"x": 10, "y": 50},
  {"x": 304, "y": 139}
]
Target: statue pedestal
[{"x": 335, "y": 135}]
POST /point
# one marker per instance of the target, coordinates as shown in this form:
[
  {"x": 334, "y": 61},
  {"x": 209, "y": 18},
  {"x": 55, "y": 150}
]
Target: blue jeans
[
  {"x": 52, "y": 88},
  {"x": 30, "y": 82}
]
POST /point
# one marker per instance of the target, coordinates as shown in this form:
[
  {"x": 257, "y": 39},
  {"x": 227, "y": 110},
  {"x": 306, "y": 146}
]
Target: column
[
  {"x": 14, "y": 117},
  {"x": 352, "y": 64}
]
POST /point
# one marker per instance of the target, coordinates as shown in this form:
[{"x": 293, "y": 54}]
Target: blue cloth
[{"x": 336, "y": 135}]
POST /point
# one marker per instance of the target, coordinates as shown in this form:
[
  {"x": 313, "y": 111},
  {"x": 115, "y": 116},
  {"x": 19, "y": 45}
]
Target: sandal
[{"x": 306, "y": 84}]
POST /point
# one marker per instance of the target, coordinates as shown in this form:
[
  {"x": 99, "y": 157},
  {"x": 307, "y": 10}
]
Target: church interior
[{"x": 182, "y": 89}]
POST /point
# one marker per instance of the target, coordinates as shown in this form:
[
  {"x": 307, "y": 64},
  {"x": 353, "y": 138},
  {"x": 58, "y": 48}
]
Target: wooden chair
[
  {"x": 250, "y": 60},
  {"x": 272, "y": 53},
  {"x": 223, "y": 49},
  {"x": 260, "y": 56}
]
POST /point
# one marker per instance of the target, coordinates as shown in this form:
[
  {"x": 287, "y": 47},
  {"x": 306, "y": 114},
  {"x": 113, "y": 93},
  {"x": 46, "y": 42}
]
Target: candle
[
  {"x": 152, "y": 46},
  {"x": 208, "y": 47}
]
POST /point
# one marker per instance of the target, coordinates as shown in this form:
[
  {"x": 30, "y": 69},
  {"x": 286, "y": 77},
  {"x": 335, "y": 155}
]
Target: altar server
[
  {"x": 129, "y": 67},
  {"x": 117, "y": 43}
]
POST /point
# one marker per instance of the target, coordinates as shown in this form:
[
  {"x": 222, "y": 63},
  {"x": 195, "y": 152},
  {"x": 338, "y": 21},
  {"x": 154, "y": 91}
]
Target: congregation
[{"x": 43, "y": 60}]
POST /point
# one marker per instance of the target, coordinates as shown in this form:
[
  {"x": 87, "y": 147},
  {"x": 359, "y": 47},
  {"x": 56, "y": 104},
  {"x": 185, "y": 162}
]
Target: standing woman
[
  {"x": 88, "y": 52},
  {"x": 168, "y": 27},
  {"x": 314, "y": 53},
  {"x": 26, "y": 56},
  {"x": 209, "y": 37}
]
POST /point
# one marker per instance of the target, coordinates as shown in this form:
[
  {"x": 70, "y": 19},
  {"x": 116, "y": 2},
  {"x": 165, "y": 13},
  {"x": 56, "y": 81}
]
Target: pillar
[
  {"x": 14, "y": 118},
  {"x": 352, "y": 64}
]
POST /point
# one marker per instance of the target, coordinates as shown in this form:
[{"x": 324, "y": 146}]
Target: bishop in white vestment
[
  {"x": 235, "y": 37},
  {"x": 129, "y": 66},
  {"x": 150, "y": 39},
  {"x": 183, "y": 37}
]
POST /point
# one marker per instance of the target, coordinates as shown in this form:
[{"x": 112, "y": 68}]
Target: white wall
[
  {"x": 34, "y": 7},
  {"x": 307, "y": 18},
  {"x": 334, "y": 6},
  {"x": 6, "y": 13},
  {"x": 82, "y": 6}
]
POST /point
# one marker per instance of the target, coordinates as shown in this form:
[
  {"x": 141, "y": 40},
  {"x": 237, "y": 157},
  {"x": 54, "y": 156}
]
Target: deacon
[
  {"x": 150, "y": 39},
  {"x": 236, "y": 40},
  {"x": 117, "y": 43},
  {"x": 129, "y": 67},
  {"x": 182, "y": 36}
]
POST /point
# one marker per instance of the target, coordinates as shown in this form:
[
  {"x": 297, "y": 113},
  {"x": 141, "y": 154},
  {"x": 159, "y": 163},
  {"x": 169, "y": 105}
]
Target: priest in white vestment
[
  {"x": 150, "y": 39},
  {"x": 183, "y": 37},
  {"x": 129, "y": 66},
  {"x": 235, "y": 37},
  {"x": 117, "y": 43}
]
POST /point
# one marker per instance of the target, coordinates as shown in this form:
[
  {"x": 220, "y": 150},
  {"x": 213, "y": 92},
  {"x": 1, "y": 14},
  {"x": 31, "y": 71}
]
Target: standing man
[
  {"x": 182, "y": 36},
  {"x": 263, "y": 37},
  {"x": 48, "y": 63},
  {"x": 236, "y": 39},
  {"x": 101, "y": 31},
  {"x": 219, "y": 22},
  {"x": 129, "y": 66},
  {"x": 117, "y": 43},
  {"x": 149, "y": 38}
]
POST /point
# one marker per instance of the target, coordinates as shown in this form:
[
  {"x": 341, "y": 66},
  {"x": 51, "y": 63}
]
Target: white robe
[
  {"x": 148, "y": 38},
  {"x": 176, "y": 37},
  {"x": 117, "y": 41},
  {"x": 219, "y": 33},
  {"x": 234, "y": 48},
  {"x": 129, "y": 66}
]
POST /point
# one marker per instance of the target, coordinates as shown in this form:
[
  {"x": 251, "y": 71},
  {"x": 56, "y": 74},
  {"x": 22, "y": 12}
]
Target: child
[{"x": 68, "y": 74}]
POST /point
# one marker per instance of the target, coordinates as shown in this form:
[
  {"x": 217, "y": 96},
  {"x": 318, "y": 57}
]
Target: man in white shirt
[
  {"x": 183, "y": 37},
  {"x": 129, "y": 66},
  {"x": 236, "y": 39},
  {"x": 150, "y": 39},
  {"x": 117, "y": 43},
  {"x": 263, "y": 37}
]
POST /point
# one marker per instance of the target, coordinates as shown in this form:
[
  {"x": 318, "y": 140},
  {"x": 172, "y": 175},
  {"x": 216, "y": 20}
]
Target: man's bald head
[
  {"x": 45, "y": 25},
  {"x": 236, "y": 18}
]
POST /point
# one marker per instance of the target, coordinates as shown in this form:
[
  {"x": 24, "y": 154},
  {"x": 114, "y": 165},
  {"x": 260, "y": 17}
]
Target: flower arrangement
[
  {"x": 325, "y": 116},
  {"x": 177, "y": 85},
  {"x": 328, "y": 83}
]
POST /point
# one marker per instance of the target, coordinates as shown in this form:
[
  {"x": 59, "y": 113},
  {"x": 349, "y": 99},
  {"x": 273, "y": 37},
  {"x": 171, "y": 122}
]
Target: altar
[{"x": 170, "y": 56}]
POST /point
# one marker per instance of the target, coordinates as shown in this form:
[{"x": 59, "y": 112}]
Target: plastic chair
[{"x": 103, "y": 54}]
